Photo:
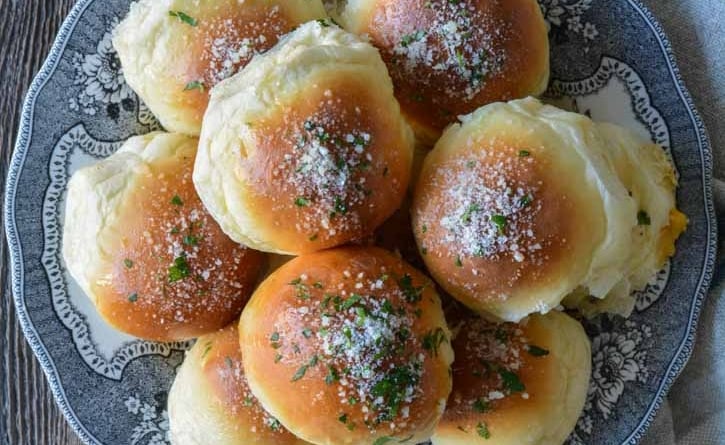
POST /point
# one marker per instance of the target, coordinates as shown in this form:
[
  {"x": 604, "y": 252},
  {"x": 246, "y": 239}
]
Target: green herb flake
[
  {"x": 525, "y": 201},
  {"x": 274, "y": 425},
  {"x": 302, "y": 201},
  {"x": 176, "y": 200},
  {"x": 175, "y": 230},
  {"x": 183, "y": 17},
  {"x": 314, "y": 237},
  {"x": 352, "y": 301},
  {"x": 128, "y": 263},
  {"x": 433, "y": 339},
  {"x": 643, "y": 218},
  {"x": 482, "y": 430},
  {"x": 332, "y": 375},
  {"x": 248, "y": 401},
  {"x": 228, "y": 361},
  {"x": 524, "y": 153},
  {"x": 459, "y": 262},
  {"x": 536, "y": 351},
  {"x": 133, "y": 297},
  {"x": 412, "y": 294},
  {"x": 480, "y": 406},
  {"x": 511, "y": 381},
  {"x": 342, "y": 418},
  {"x": 473, "y": 208},
  {"x": 191, "y": 240},
  {"x": 307, "y": 332},
  {"x": 195, "y": 85},
  {"x": 383, "y": 440},
  {"x": 500, "y": 222},
  {"x": 179, "y": 270},
  {"x": 274, "y": 336},
  {"x": 301, "y": 371}
]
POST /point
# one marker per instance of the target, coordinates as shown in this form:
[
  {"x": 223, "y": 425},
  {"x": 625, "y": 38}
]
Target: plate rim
[{"x": 675, "y": 368}]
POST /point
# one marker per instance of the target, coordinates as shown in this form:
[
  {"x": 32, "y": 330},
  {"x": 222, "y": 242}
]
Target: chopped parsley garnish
[
  {"x": 459, "y": 263},
  {"x": 525, "y": 201},
  {"x": 128, "y": 263},
  {"x": 383, "y": 440},
  {"x": 352, "y": 301},
  {"x": 536, "y": 351},
  {"x": 274, "y": 336},
  {"x": 482, "y": 430},
  {"x": 340, "y": 206},
  {"x": 179, "y": 270},
  {"x": 302, "y": 202},
  {"x": 393, "y": 389},
  {"x": 248, "y": 401},
  {"x": 274, "y": 425},
  {"x": 469, "y": 212},
  {"x": 323, "y": 23},
  {"x": 133, "y": 297},
  {"x": 175, "y": 230},
  {"x": 524, "y": 153},
  {"x": 191, "y": 240},
  {"x": 176, "y": 200},
  {"x": 195, "y": 85},
  {"x": 183, "y": 17},
  {"x": 314, "y": 237},
  {"x": 407, "y": 39},
  {"x": 424, "y": 229},
  {"x": 412, "y": 293},
  {"x": 643, "y": 218},
  {"x": 332, "y": 375},
  {"x": 433, "y": 339},
  {"x": 307, "y": 332},
  {"x": 500, "y": 222},
  {"x": 342, "y": 418},
  {"x": 511, "y": 381},
  {"x": 480, "y": 406},
  {"x": 300, "y": 372}
]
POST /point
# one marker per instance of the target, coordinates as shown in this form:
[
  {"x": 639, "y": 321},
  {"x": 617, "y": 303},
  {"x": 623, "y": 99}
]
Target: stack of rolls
[{"x": 279, "y": 222}]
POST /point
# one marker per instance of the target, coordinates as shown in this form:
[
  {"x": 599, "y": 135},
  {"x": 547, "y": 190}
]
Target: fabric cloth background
[{"x": 694, "y": 413}]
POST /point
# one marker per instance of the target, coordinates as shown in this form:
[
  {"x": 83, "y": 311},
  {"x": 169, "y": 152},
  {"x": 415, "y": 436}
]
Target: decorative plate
[{"x": 610, "y": 60}]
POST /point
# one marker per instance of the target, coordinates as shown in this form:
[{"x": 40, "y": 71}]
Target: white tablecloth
[{"x": 695, "y": 410}]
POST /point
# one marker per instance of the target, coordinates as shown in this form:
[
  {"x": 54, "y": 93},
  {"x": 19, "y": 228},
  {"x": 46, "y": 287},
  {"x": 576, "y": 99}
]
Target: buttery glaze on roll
[
  {"x": 523, "y": 205},
  {"x": 174, "y": 51},
  {"x": 448, "y": 58},
  {"x": 516, "y": 384},
  {"x": 348, "y": 346},
  {"x": 306, "y": 148},
  {"x": 142, "y": 247},
  {"x": 210, "y": 401}
]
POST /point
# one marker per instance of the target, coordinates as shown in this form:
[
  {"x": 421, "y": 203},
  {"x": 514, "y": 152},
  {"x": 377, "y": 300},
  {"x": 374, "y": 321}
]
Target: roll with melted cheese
[{"x": 522, "y": 205}]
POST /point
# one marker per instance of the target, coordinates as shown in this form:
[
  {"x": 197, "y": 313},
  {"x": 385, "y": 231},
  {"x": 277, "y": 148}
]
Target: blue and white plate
[{"x": 610, "y": 60}]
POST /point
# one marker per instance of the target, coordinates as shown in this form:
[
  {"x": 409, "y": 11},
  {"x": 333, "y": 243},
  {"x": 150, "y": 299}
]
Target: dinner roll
[
  {"x": 174, "y": 51},
  {"x": 305, "y": 149},
  {"x": 210, "y": 401},
  {"x": 522, "y": 205},
  {"x": 448, "y": 58},
  {"x": 522, "y": 384},
  {"x": 142, "y": 247},
  {"x": 348, "y": 346}
]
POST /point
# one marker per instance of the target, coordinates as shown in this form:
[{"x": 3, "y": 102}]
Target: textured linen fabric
[{"x": 694, "y": 412}]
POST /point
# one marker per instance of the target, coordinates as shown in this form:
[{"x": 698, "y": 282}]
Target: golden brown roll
[
  {"x": 348, "y": 346},
  {"x": 141, "y": 245},
  {"x": 174, "y": 51},
  {"x": 523, "y": 204},
  {"x": 306, "y": 148},
  {"x": 448, "y": 58},
  {"x": 522, "y": 384},
  {"x": 210, "y": 401}
]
